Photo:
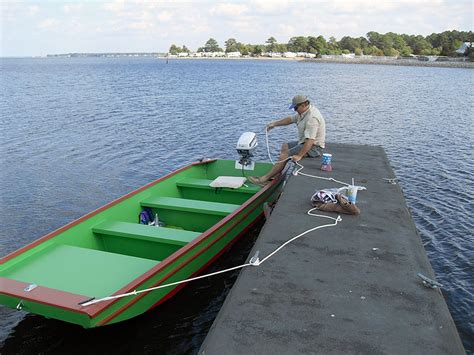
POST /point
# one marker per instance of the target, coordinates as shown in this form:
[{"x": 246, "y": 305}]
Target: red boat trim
[
  {"x": 171, "y": 273},
  {"x": 41, "y": 295},
  {"x": 93, "y": 213}
]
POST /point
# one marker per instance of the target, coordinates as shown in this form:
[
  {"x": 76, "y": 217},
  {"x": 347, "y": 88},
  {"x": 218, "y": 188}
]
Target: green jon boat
[{"x": 108, "y": 252}]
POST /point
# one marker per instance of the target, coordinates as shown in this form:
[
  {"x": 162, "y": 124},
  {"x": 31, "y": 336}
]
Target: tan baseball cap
[{"x": 298, "y": 99}]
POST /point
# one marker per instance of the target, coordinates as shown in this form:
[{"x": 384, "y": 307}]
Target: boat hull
[{"x": 107, "y": 253}]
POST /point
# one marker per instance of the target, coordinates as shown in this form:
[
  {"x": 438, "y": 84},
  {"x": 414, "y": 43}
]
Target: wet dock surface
[{"x": 352, "y": 288}]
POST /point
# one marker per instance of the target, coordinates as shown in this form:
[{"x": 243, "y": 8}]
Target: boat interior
[{"x": 109, "y": 247}]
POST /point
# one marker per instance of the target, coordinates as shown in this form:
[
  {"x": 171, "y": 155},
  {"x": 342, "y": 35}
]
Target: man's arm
[
  {"x": 305, "y": 149},
  {"x": 283, "y": 122}
]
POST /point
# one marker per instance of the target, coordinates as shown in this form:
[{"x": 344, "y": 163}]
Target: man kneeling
[{"x": 311, "y": 137}]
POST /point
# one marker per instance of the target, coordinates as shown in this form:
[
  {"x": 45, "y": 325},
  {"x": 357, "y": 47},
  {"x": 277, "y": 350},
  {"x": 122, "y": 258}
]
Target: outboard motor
[{"x": 245, "y": 147}]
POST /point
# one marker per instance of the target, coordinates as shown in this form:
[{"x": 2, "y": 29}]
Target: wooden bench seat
[
  {"x": 187, "y": 205},
  {"x": 143, "y": 232},
  {"x": 204, "y": 184}
]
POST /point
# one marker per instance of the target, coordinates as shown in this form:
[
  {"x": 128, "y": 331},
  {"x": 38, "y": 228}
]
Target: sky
[{"x": 37, "y": 28}]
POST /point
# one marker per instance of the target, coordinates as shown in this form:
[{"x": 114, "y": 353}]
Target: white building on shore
[
  {"x": 462, "y": 50},
  {"x": 213, "y": 54}
]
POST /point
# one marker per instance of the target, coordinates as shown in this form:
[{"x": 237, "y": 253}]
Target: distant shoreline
[
  {"x": 341, "y": 60},
  {"x": 382, "y": 61},
  {"x": 399, "y": 62}
]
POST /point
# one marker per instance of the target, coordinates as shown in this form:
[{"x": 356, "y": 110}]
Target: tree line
[{"x": 388, "y": 44}]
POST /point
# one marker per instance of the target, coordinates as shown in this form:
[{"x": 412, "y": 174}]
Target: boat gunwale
[{"x": 69, "y": 301}]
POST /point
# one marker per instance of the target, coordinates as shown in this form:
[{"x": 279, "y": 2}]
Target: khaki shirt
[{"x": 311, "y": 125}]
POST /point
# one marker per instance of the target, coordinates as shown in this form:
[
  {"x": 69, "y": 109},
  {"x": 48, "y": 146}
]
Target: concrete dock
[{"x": 352, "y": 288}]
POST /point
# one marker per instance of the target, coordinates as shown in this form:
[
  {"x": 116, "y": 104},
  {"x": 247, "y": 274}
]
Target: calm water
[{"x": 77, "y": 133}]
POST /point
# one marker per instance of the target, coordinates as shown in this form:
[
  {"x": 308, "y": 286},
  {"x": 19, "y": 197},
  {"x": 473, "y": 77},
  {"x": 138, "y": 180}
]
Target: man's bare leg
[{"x": 276, "y": 169}]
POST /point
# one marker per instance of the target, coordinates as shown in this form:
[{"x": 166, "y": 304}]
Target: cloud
[
  {"x": 229, "y": 9},
  {"x": 48, "y": 23},
  {"x": 364, "y": 5},
  {"x": 143, "y": 25},
  {"x": 278, "y": 7},
  {"x": 115, "y": 6},
  {"x": 72, "y": 8},
  {"x": 33, "y": 10},
  {"x": 165, "y": 16},
  {"x": 9, "y": 11}
]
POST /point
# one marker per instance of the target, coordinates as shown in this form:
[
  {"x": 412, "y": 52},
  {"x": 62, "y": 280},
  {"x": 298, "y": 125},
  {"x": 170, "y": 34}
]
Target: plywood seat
[
  {"x": 204, "y": 184},
  {"x": 142, "y": 232},
  {"x": 187, "y": 205}
]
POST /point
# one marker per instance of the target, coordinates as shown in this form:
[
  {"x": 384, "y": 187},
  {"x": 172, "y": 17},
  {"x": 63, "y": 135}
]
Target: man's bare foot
[{"x": 258, "y": 181}]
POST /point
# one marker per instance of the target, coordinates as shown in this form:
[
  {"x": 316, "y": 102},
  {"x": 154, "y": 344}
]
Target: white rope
[
  {"x": 268, "y": 145},
  {"x": 135, "y": 292},
  {"x": 253, "y": 262},
  {"x": 268, "y": 150},
  {"x": 336, "y": 220},
  {"x": 301, "y": 167}
]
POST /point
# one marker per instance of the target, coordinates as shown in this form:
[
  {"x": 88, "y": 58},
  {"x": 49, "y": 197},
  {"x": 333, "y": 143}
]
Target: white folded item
[{"x": 233, "y": 182}]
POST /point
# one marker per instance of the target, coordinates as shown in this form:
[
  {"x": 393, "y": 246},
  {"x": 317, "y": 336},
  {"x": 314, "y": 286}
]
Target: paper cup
[
  {"x": 327, "y": 159},
  {"x": 326, "y": 162},
  {"x": 352, "y": 193}
]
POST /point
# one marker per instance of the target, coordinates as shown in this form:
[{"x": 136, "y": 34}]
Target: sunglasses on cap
[{"x": 296, "y": 107}]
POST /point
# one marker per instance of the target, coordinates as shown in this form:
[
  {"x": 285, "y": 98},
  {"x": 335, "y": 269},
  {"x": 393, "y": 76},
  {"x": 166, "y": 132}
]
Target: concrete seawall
[
  {"x": 393, "y": 61},
  {"x": 351, "y": 288}
]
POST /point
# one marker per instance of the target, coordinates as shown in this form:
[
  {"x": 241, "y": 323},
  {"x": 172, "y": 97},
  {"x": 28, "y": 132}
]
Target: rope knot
[{"x": 254, "y": 260}]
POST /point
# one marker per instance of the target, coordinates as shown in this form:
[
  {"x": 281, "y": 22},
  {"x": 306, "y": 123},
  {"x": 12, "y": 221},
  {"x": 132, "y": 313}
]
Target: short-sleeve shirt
[{"x": 311, "y": 125}]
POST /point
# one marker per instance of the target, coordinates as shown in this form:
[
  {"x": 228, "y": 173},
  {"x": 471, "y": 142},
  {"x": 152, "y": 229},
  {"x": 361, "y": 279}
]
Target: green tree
[
  {"x": 298, "y": 44},
  {"x": 256, "y": 49},
  {"x": 212, "y": 46},
  {"x": 406, "y": 51},
  {"x": 320, "y": 45},
  {"x": 420, "y": 45},
  {"x": 244, "y": 49},
  {"x": 271, "y": 44},
  {"x": 312, "y": 45},
  {"x": 281, "y": 48},
  {"x": 231, "y": 45},
  {"x": 174, "y": 49},
  {"x": 398, "y": 43},
  {"x": 185, "y": 49},
  {"x": 364, "y": 43},
  {"x": 333, "y": 46},
  {"x": 373, "y": 50},
  {"x": 375, "y": 39},
  {"x": 349, "y": 43},
  {"x": 442, "y": 41}
]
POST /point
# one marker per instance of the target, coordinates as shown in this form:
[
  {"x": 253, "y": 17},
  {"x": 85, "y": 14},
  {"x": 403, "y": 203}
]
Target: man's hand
[
  {"x": 270, "y": 126},
  {"x": 296, "y": 158}
]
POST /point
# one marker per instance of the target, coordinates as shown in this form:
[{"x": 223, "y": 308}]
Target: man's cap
[{"x": 298, "y": 99}]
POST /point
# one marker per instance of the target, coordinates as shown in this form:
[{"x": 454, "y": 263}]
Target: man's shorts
[{"x": 295, "y": 147}]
